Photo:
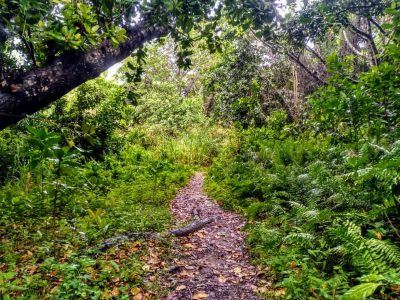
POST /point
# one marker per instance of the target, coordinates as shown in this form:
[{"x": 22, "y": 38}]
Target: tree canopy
[{"x": 50, "y": 47}]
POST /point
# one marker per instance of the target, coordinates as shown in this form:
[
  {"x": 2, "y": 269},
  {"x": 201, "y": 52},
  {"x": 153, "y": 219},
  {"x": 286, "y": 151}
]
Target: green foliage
[
  {"x": 91, "y": 167},
  {"x": 172, "y": 114},
  {"x": 90, "y": 117},
  {"x": 321, "y": 193},
  {"x": 64, "y": 207},
  {"x": 168, "y": 99},
  {"x": 48, "y": 29},
  {"x": 361, "y": 291},
  {"x": 367, "y": 108},
  {"x": 233, "y": 86},
  {"x": 305, "y": 200},
  {"x": 322, "y": 196}
]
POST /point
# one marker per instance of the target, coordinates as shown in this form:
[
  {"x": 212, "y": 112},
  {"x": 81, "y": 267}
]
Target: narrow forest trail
[{"x": 213, "y": 263}]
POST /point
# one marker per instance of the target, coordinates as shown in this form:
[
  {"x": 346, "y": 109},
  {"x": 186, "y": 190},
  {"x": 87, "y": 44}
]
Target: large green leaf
[{"x": 361, "y": 291}]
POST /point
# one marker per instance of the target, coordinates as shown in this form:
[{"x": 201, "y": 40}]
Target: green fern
[
  {"x": 370, "y": 255},
  {"x": 299, "y": 238}
]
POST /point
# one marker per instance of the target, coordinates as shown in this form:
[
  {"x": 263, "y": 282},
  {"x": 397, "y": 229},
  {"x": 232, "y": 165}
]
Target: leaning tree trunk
[{"x": 39, "y": 87}]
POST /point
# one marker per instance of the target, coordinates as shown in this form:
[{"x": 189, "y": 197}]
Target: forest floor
[{"x": 211, "y": 263}]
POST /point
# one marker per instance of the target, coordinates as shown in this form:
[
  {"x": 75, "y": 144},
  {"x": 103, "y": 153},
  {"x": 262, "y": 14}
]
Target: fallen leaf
[
  {"x": 138, "y": 297},
  {"x": 180, "y": 287},
  {"x": 67, "y": 254},
  {"x": 146, "y": 268},
  {"x": 200, "y": 295},
  {"x": 200, "y": 234},
  {"x": 292, "y": 264},
  {"x": 262, "y": 289},
  {"x": 153, "y": 261},
  {"x": 31, "y": 270},
  {"x": 135, "y": 246},
  {"x": 280, "y": 292},
  {"x": 188, "y": 245},
  {"x": 378, "y": 235},
  {"x": 221, "y": 279},
  {"x": 185, "y": 273},
  {"x": 115, "y": 292},
  {"x": 237, "y": 270},
  {"x": 135, "y": 291}
]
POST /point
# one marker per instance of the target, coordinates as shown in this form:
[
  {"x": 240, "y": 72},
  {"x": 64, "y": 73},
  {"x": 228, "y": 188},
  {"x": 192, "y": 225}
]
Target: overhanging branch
[{"x": 40, "y": 87}]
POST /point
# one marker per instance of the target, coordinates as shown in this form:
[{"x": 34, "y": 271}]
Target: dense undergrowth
[
  {"x": 62, "y": 205},
  {"x": 90, "y": 167},
  {"x": 323, "y": 216},
  {"x": 322, "y": 195},
  {"x": 50, "y": 222}
]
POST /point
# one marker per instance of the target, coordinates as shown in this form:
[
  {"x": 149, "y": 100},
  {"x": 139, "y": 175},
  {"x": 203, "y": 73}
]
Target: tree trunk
[{"x": 38, "y": 88}]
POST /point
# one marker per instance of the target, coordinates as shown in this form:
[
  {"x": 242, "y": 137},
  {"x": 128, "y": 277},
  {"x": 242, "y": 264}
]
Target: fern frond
[
  {"x": 297, "y": 206},
  {"x": 385, "y": 251},
  {"x": 277, "y": 210},
  {"x": 310, "y": 214},
  {"x": 371, "y": 255},
  {"x": 299, "y": 238}
]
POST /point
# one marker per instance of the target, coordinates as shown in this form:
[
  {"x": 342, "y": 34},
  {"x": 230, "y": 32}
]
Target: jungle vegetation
[{"x": 292, "y": 108}]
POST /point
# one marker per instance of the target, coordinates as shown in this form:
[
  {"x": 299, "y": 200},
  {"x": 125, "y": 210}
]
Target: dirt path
[{"x": 213, "y": 262}]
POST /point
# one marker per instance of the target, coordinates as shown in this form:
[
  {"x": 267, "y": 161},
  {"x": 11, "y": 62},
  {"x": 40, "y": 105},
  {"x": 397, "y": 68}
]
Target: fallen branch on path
[
  {"x": 131, "y": 236},
  {"x": 192, "y": 227}
]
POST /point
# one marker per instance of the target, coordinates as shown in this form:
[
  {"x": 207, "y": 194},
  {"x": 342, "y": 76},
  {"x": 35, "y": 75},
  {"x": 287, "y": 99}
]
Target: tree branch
[
  {"x": 312, "y": 74},
  {"x": 352, "y": 47},
  {"x": 369, "y": 38},
  {"x": 377, "y": 25},
  {"x": 39, "y": 87},
  {"x": 192, "y": 227},
  {"x": 363, "y": 34},
  {"x": 292, "y": 57},
  {"x": 316, "y": 54},
  {"x": 179, "y": 232}
]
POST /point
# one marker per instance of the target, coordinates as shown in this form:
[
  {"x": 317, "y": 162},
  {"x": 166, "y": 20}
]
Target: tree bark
[{"x": 39, "y": 87}]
